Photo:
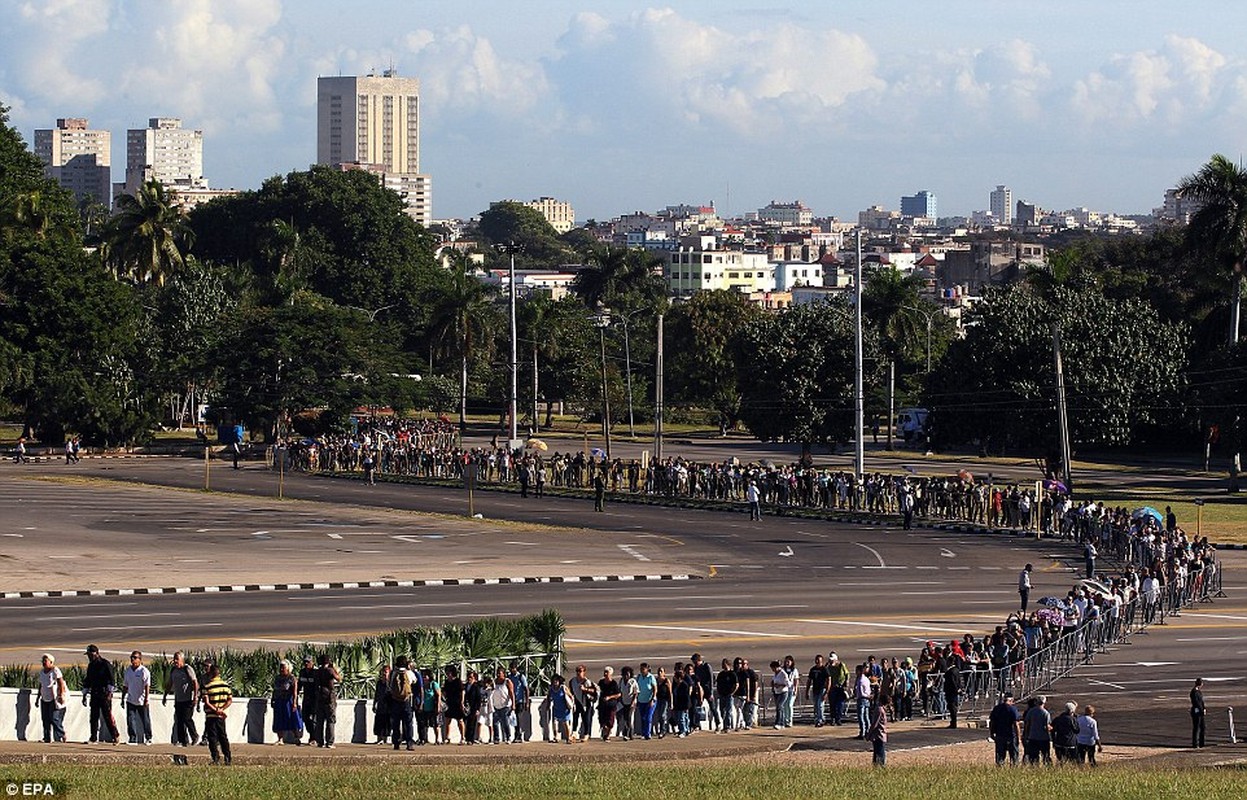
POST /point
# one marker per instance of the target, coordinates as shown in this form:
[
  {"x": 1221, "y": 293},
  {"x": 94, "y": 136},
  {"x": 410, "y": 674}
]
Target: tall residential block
[
  {"x": 77, "y": 158},
  {"x": 559, "y": 213},
  {"x": 1001, "y": 205},
  {"x": 921, "y": 204},
  {"x": 164, "y": 151},
  {"x": 373, "y": 123}
]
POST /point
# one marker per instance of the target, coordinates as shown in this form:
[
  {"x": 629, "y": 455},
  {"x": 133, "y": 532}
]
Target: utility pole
[
  {"x": 658, "y": 396},
  {"x": 606, "y": 403},
  {"x": 891, "y": 398},
  {"x": 1062, "y": 419},
  {"x": 859, "y": 400}
]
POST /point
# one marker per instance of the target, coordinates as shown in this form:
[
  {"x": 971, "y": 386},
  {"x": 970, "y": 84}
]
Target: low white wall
[{"x": 249, "y": 720}]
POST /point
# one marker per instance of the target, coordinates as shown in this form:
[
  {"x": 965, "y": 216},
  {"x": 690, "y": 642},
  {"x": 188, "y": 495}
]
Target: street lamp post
[
  {"x": 511, "y": 248},
  {"x": 859, "y": 400}
]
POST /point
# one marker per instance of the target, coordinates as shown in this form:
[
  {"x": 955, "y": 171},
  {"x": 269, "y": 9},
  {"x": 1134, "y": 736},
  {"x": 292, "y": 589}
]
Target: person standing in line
[
  {"x": 382, "y": 708},
  {"x": 705, "y": 678},
  {"x": 1004, "y": 726},
  {"x": 184, "y": 685},
  {"x": 1197, "y": 713},
  {"x": 838, "y": 678},
  {"x": 456, "y": 710},
  {"x": 1037, "y": 732},
  {"x": 1089, "y": 555},
  {"x": 217, "y": 698},
  {"x": 725, "y": 689},
  {"x": 540, "y": 471},
  {"x": 137, "y": 680},
  {"x": 626, "y": 716},
  {"x": 1065, "y": 735},
  {"x": 561, "y": 704},
  {"x": 1024, "y": 586},
  {"x": 307, "y": 683},
  {"x": 751, "y": 497},
  {"x": 1088, "y": 736},
  {"x": 370, "y": 467},
  {"x": 646, "y": 696},
  {"x": 327, "y": 681},
  {"x": 426, "y": 716},
  {"x": 523, "y": 704},
  {"x": 52, "y": 694},
  {"x": 877, "y": 732},
  {"x": 97, "y": 685},
  {"x": 599, "y": 491},
  {"x": 952, "y": 686},
  {"x": 285, "y": 703},
  {"x": 794, "y": 685},
  {"x": 608, "y": 702},
  {"x": 861, "y": 695}
]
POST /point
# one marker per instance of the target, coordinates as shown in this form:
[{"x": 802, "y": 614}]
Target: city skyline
[{"x": 637, "y": 107}]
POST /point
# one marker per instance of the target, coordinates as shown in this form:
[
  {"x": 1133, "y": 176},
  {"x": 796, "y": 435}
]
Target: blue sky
[{"x": 627, "y": 106}]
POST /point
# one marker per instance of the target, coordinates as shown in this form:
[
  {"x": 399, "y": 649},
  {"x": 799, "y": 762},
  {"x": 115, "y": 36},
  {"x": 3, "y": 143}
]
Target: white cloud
[
  {"x": 1185, "y": 78},
  {"x": 461, "y": 72}
]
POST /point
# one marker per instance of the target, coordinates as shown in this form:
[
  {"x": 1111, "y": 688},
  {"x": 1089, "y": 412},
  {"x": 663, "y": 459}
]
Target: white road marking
[
  {"x": 872, "y": 550},
  {"x": 735, "y": 608},
  {"x": 881, "y": 625},
  {"x": 1195, "y": 613},
  {"x": 630, "y": 550},
  {"x": 946, "y": 553},
  {"x": 401, "y": 605},
  {"x": 65, "y": 606},
  {"x": 1211, "y": 639},
  {"x": 334, "y": 535},
  {"x": 787, "y": 552},
  {"x": 127, "y": 615},
  {"x": 1106, "y": 683},
  {"x": 709, "y": 630},
  {"x": 895, "y": 583},
  {"x": 586, "y": 641},
  {"x": 526, "y": 544},
  {"x": 283, "y": 641},
  {"x": 451, "y": 616},
  {"x": 964, "y": 591},
  {"x": 149, "y": 627}
]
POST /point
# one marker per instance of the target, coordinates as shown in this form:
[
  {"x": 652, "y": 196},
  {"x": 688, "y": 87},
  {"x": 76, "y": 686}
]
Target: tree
[
  {"x": 511, "y": 222},
  {"x": 620, "y": 278},
  {"x": 1218, "y": 230},
  {"x": 702, "y": 367},
  {"x": 461, "y": 319},
  {"x": 1123, "y": 368},
  {"x": 796, "y": 374},
  {"x": 147, "y": 235},
  {"x": 564, "y": 346}
]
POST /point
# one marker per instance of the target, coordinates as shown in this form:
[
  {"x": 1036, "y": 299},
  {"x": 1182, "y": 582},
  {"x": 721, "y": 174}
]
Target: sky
[{"x": 624, "y": 106}]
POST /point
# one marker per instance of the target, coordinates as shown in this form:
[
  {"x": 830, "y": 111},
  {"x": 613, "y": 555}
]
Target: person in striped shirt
[{"x": 217, "y": 697}]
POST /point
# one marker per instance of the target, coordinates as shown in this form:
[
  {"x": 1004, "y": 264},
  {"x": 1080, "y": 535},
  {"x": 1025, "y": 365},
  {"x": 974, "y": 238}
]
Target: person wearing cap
[
  {"x": 839, "y": 680},
  {"x": 307, "y": 684},
  {"x": 1065, "y": 735},
  {"x": 1004, "y": 726},
  {"x": 1037, "y": 732},
  {"x": 97, "y": 686},
  {"x": 52, "y": 700}
]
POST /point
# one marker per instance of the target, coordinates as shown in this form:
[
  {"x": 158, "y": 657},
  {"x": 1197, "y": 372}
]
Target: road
[{"x": 759, "y": 590}]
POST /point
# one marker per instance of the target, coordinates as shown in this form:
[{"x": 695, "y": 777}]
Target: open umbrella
[
  {"x": 1148, "y": 511},
  {"x": 536, "y": 444},
  {"x": 966, "y": 475},
  {"x": 597, "y": 452},
  {"x": 1055, "y": 486}
]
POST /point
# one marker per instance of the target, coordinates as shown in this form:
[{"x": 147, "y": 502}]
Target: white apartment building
[
  {"x": 698, "y": 265},
  {"x": 1001, "y": 204},
  {"x": 164, "y": 151},
  {"x": 791, "y": 274},
  {"x": 789, "y": 215},
  {"x": 559, "y": 213},
  {"x": 372, "y": 122},
  {"x": 77, "y": 158}
]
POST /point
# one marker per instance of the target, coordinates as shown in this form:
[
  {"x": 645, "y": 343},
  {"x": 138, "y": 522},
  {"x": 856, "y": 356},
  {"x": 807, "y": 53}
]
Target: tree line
[{"x": 316, "y": 294}]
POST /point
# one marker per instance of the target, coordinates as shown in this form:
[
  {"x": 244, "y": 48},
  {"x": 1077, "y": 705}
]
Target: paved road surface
[{"x": 859, "y": 590}]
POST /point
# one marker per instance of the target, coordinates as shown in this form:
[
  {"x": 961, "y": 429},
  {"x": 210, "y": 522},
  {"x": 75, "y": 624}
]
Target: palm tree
[
  {"x": 146, "y": 236},
  {"x": 459, "y": 321},
  {"x": 36, "y": 213},
  {"x": 1219, "y": 228},
  {"x": 618, "y": 274},
  {"x": 893, "y": 305}
]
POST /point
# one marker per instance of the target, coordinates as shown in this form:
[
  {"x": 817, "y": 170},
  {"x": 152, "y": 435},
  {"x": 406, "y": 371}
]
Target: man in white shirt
[
  {"x": 1024, "y": 586},
  {"x": 52, "y": 693},
  {"x": 138, "y": 685}
]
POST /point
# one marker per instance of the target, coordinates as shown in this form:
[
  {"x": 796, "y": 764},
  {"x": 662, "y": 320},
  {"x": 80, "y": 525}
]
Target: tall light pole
[
  {"x": 658, "y": 396},
  {"x": 511, "y": 248},
  {"x": 859, "y": 399}
]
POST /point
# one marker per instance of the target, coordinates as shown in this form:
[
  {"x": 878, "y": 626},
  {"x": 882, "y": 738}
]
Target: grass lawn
[{"x": 624, "y": 781}]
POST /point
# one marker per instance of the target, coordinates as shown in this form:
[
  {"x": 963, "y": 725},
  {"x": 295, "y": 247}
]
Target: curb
[
  {"x": 286, "y": 587},
  {"x": 55, "y": 459}
]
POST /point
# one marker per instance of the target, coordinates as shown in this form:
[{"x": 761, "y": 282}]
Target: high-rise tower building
[
  {"x": 921, "y": 204},
  {"x": 1001, "y": 205},
  {"x": 373, "y": 123},
  {"x": 164, "y": 151},
  {"x": 77, "y": 158}
]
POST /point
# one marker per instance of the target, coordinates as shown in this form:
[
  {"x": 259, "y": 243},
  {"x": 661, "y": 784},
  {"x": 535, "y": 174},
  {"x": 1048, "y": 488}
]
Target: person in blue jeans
[
  {"x": 861, "y": 694},
  {"x": 781, "y": 688},
  {"x": 816, "y": 681},
  {"x": 681, "y": 699},
  {"x": 646, "y": 697}
]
